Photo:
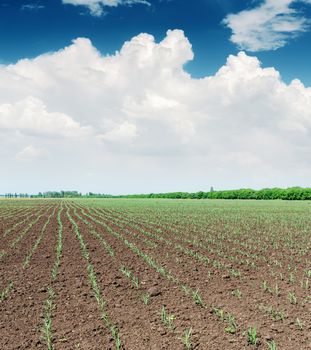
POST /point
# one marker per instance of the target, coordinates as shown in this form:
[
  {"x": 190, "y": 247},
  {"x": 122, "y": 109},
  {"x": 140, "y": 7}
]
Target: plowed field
[{"x": 155, "y": 274}]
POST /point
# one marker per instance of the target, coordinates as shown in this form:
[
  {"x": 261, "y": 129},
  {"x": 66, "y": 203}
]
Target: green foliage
[
  {"x": 186, "y": 338},
  {"x": 145, "y": 298},
  {"x": 4, "y": 293},
  {"x": 252, "y": 335},
  {"x": 292, "y": 193},
  {"x": 167, "y": 318},
  {"x": 272, "y": 345}
]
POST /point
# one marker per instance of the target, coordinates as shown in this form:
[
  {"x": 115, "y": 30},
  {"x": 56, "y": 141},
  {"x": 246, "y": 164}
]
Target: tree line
[{"x": 292, "y": 193}]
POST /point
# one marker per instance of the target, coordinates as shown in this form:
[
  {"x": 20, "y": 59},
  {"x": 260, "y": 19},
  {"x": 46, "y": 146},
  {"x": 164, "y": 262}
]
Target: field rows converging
[{"x": 154, "y": 274}]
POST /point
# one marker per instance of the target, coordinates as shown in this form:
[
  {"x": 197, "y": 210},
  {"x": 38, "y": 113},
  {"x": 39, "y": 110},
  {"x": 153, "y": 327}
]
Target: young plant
[
  {"x": 232, "y": 326},
  {"x": 135, "y": 282},
  {"x": 186, "y": 338},
  {"x": 116, "y": 337},
  {"x": 185, "y": 289},
  {"x": 197, "y": 298},
  {"x": 126, "y": 272},
  {"x": 252, "y": 335},
  {"x": 47, "y": 323},
  {"x": 292, "y": 298},
  {"x": 235, "y": 273},
  {"x": 145, "y": 298},
  {"x": 299, "y": 324},
  {"x": 4, "y": 294},
  {"x": 277, "y": 315},
  {"x": 237, "y": 293},
  {"x": 219, "y": 313},
  {"x": 272, "y": 345},
  {"x": 266, "y": 287},
  {"x": 291, "y": 278},
  {"x": 166, "y": 318}
]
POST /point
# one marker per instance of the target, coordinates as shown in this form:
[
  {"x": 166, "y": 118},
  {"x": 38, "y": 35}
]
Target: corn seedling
[
  {"x": 299, "y": 324},
  {"x": 252, "y": 335},
  {"x": 277, "y": 315},
  {"x": 237, "y": 293},
  {"x": 127, "y": 273},
  {"x": 277, "y": 290},
  {"x": 272, "y": 345},
  {"x": 145, "y": 298},
  {"x": 291, "y": 278},
  {"x": 47, "y": 322},
  {"x": 135, "y": 282},
  {"x": 116, "y": 337},
  {"x": 232, "y": 326},
  {"x": 292, "y": 298},
  {"x": 186, "y": 339},
  {"x": 266, "y": 287},
  {"x": 235, "y": 273},
  {"x": 59, "y": 245},
  {"x": 219, "y": 313},
  {"x": 5, "y": 293},
  {"x": 197, "y": 298},
  {"x": 166, "y": 318}
]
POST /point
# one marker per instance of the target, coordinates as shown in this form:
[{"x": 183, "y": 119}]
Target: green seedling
[
  {"x": 237, "y": 293},
  {"x": 5, "y": 293},
  {"x": 299, "y": 324},
  {"x": 135, "y": 282},
  {"x": 145, "y": 298},
  {"x": 272, "y": 345},
  {"x": 186, "y": 338},
  {"x": 252, "y": 335},
  {"x": 166, "y": 318},
  {"x": 197, "y": 298},
  {"x": 292, "y": 298}
]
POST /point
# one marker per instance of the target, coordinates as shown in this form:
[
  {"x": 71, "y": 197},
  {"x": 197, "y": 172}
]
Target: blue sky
[
  {"x": 133, "y": 96},
  {"x": 31, "y": 27}
]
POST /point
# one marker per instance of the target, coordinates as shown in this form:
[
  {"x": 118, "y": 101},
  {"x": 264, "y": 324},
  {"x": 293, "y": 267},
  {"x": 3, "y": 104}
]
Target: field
[{"x": 155, "y": 274}]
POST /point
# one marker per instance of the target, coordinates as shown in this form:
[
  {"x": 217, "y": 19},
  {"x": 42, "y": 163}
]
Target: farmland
[{"x": 155, "y": 274}]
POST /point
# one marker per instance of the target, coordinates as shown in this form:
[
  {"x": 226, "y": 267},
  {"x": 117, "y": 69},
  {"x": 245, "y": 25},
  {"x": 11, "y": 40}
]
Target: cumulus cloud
[
  {"x": 30, "y": 153},
  {"x": 96, "y": 7},
  {"x": 139, "y": 110},
  {"x": 125, "y": 131},
  {"x": 31, "y": 116},
  {"x": 268, "y": 26}
]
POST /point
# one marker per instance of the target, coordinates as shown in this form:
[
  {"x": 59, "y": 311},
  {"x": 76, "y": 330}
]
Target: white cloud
[
  {"x": 125, "y": 131},
  {"x": 96, "y": 7},
  {"x": 30, "y": 153},
  {"x": 32, "y": 7},
  {"x": 268, "y": 26},
  {"x": 138, "y": 111},
  {"x": 30, "y": 116}
]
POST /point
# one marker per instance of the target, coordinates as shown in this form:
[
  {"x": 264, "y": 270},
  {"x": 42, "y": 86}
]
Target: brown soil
[{"x": 76, "y": 317}]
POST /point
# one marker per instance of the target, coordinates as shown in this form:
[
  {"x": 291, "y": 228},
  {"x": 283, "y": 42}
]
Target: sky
[{"x": 137, "y": 96}]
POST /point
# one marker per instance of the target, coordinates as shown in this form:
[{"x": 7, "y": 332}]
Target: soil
[{"x": 76, "y": 316}]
